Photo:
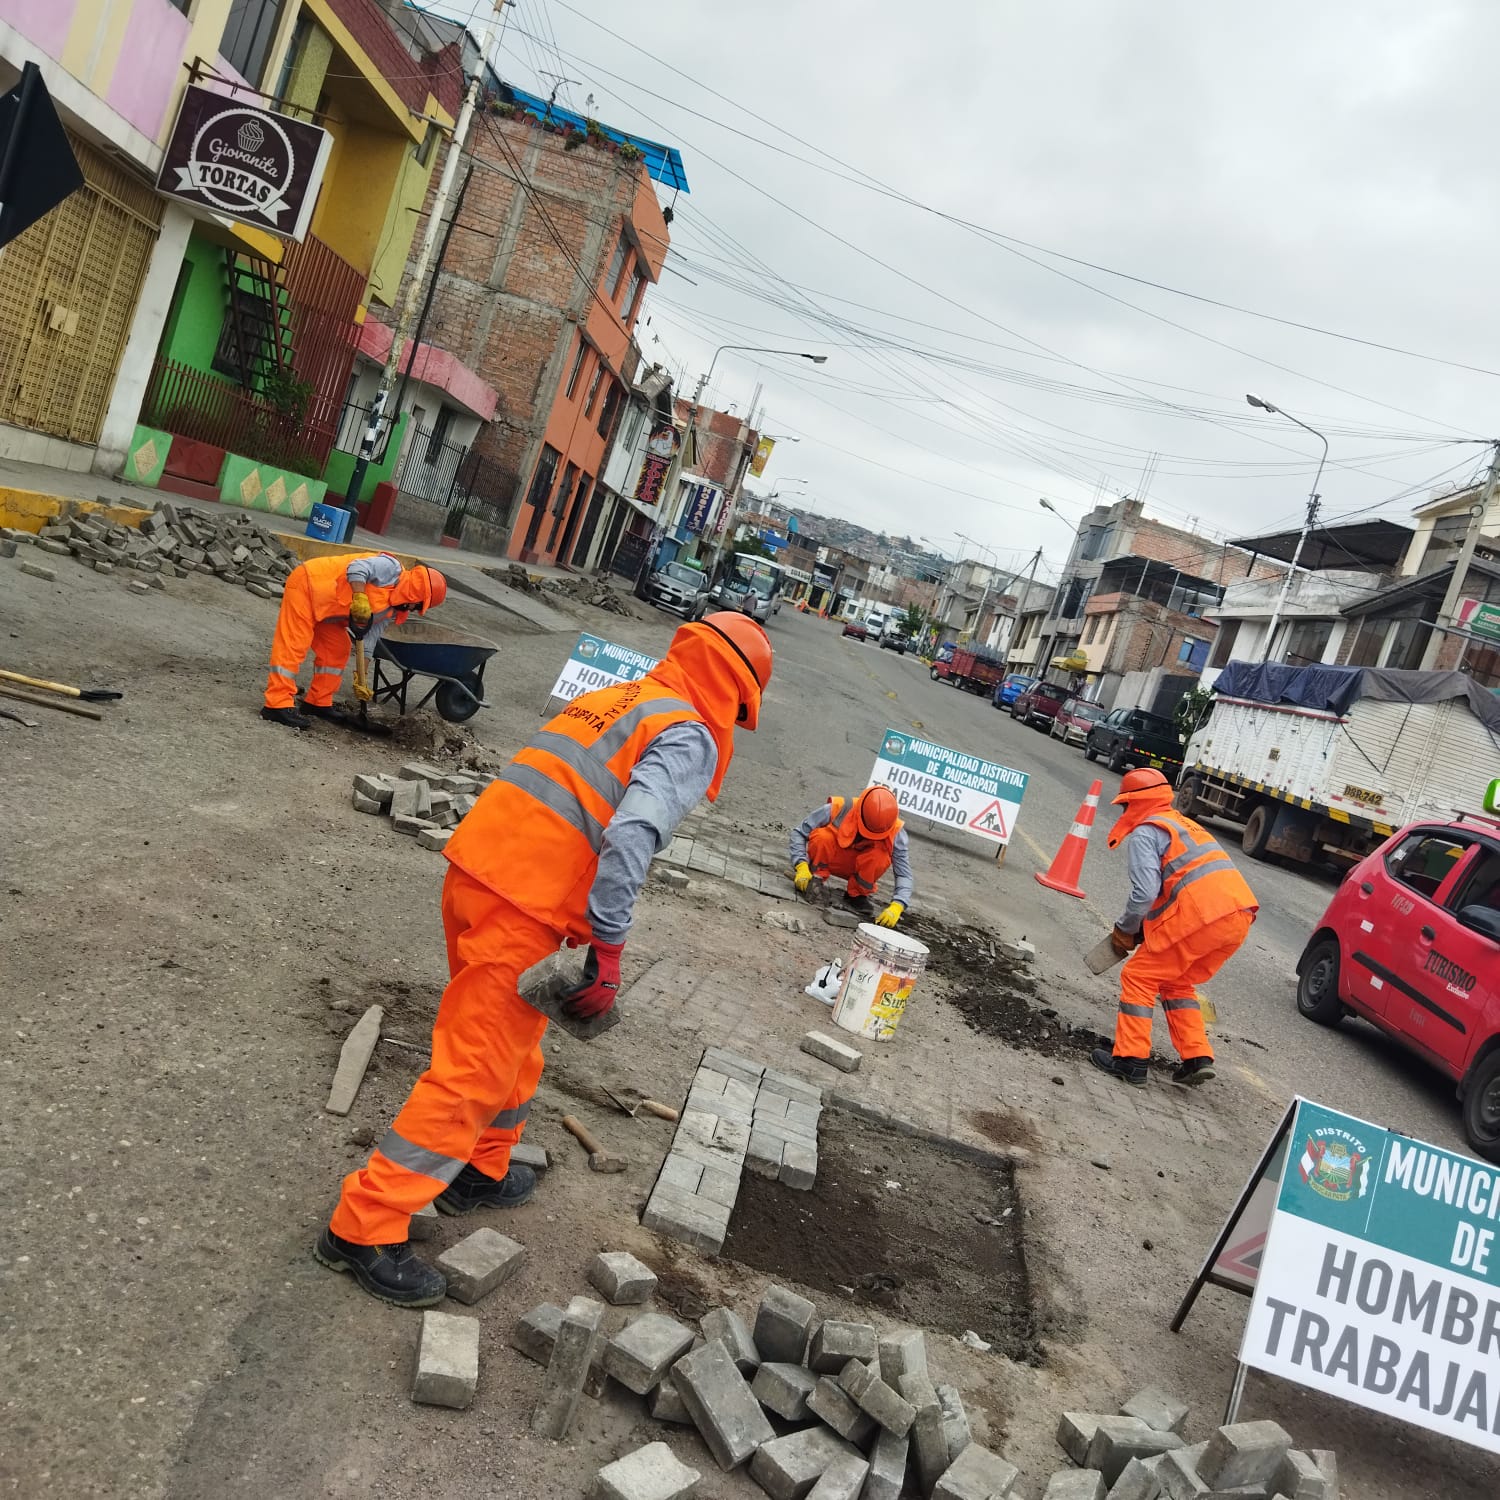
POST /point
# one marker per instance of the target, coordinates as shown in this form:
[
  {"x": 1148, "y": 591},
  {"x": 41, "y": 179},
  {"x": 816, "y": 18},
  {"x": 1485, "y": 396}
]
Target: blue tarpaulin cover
[{"x": 1337, "y": 689}]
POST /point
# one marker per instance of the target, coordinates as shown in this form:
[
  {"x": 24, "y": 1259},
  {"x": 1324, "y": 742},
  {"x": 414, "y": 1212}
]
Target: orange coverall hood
[
  {"x": 1140, "y": 806},
  {"x": 703, "y": 668}
]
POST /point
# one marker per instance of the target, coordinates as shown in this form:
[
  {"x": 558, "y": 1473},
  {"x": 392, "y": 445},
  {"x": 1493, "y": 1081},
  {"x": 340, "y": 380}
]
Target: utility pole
[
  {"x": 417, "y": 284},
  {"x": 1477, "y": 512},
  {"x": 1021, "y": 598}
]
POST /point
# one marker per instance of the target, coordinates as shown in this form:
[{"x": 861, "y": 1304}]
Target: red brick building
[{"x": 559, "y": 234}]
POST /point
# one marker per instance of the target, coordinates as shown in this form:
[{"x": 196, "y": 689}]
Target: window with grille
[
  {"x": 616, "y": 271},
  {"x": 577, "y": 369}
]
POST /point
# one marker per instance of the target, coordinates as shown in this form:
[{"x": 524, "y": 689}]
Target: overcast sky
[{"x": 1328, "y": 165}]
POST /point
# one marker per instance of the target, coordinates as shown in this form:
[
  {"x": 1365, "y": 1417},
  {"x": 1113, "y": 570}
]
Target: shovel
[
  {"x": 89, "y": 695},
  {"x": 363, "y": 723}
]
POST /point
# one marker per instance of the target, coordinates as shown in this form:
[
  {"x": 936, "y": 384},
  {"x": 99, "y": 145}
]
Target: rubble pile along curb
[{"x": 175, "y": 540}]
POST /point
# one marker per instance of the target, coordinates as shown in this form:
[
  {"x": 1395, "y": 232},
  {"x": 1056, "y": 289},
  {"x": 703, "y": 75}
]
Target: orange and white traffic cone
[{"x": 1065, "y": 869}]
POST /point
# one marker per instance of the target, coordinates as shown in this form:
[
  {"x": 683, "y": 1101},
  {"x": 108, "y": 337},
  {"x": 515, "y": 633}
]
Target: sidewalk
[{"x": 462, "y": 569}]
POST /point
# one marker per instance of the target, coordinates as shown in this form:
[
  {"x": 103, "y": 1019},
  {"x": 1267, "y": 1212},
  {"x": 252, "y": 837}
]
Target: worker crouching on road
[
  {"x": 557, "y": 848},
  {"x": 1189, "y": 910},
  {"x": 326, "y": 604},
  {"x": 857, "y": 841}
]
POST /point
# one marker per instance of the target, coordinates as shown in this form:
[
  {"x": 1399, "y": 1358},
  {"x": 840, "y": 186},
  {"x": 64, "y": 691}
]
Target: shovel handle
[{"x": 582, "y": 1134}]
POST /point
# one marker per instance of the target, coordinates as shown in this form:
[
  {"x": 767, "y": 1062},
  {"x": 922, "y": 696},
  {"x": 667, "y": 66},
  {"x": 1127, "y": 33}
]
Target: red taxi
[{"x": 1411, "y": 942}]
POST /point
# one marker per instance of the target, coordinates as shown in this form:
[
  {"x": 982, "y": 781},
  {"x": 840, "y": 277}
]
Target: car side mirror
[{"x": 1484, "y": 920}]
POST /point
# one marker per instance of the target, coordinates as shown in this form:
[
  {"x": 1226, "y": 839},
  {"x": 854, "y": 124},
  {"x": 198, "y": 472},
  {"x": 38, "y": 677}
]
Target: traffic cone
[{"x": 1068, "y": 865}]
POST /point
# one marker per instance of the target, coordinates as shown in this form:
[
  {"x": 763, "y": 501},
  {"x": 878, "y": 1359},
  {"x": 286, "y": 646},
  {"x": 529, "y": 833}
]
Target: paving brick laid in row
[
  {"x": 976, "y": 1474},
  {"x": 726, "y": 1414},
  {"x": 447, "y": 1360},
  {"x": 786, "y": 1468},
  {"x": 875, "y": 1398},
  {"x": 782, "y": 1324},
  {"x": 479, "y": 1262},
  {"x": 650, "y": 1473},
  {"x": 572, "y": 1355},
  {"x": 643, "y": 1351},
  {"x": 724, "y": 1325},
  {"x": 621, "y": 1279},
  {"x": 826, "y": 1049}
]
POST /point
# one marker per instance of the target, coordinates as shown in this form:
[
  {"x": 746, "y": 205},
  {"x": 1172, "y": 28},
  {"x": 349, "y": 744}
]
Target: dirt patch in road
[
  {"x": 921, "y": 1232},
  {"x": 996, "y": 995}
]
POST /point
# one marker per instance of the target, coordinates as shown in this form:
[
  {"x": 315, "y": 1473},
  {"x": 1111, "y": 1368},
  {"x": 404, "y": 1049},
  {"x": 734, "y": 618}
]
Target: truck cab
[{"x": 1131, "y": 737}]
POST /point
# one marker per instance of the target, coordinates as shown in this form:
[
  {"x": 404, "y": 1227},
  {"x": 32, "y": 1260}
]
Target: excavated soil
[{"x": 924, "y": 1233}]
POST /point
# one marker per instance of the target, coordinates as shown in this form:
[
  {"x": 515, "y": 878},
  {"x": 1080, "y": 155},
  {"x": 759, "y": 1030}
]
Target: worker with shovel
[
  {"x": 327, "y": 603},
  {"x": 856, "y": 840},
  {"x": 1188, "y": 913},
  {"x": 556, "y": 850}
]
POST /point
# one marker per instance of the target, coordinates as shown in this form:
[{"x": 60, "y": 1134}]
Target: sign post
[
  {"x": 1378, "y": 1280},
  {"x": 978, "y": 797},
  {"x": 597, "y": 663}
]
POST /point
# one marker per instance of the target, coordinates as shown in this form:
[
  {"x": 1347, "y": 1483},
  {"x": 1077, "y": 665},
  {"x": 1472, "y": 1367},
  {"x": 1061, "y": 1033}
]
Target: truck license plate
[{"x": 1156, "y": 761}]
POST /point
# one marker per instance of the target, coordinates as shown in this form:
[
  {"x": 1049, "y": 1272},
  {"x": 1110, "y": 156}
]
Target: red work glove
[
  {"x": 601, "y": 982},
  {"x": 1122, "y": 942}
]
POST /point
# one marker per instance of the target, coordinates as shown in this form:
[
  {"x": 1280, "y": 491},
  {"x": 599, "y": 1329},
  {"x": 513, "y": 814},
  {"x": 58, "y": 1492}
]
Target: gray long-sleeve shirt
[
  {"x": 383, "y": 572},
  {"x": 1144, "y": 849},
  {"x": 668, "y": 782},
  {"x": 900, "y": 851}
]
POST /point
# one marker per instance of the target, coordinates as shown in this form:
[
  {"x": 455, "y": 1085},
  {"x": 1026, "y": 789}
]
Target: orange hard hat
[
  {"x": 875, "y": 812},
  {"x": 438, "y": 585},
  {"x": 1142, "y": 779},
  {"x": 750, "y": 649}
]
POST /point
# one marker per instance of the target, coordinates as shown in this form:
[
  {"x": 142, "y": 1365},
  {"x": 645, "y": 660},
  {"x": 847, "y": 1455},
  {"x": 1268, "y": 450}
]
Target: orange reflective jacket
[
  {"x": 1199, "y": 882},
  {"x": 840, "y": 848},
  {"x": 534, "y": 835},
  {"x": 332, "y": 593}
]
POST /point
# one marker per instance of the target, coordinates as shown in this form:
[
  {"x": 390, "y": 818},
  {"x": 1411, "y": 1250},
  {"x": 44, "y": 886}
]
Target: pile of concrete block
[
  {"x": 739, "y": 1115},
  {"x": 1140, "y": 1454},
  {"x": 175, "y": 540},
  {"x": 421, "y": 800}
]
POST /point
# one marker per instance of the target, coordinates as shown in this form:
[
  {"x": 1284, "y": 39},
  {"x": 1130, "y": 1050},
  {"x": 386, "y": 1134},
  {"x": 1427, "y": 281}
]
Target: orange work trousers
[
  {"x": 1173, "y": 973},
  {"x": 299, "y": 630},
  {"x": 827, "y": 858},
  {"x": 470, "y": 1106}
]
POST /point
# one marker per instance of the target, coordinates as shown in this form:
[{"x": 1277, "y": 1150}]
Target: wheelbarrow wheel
[{"x": 458, "y": 700}]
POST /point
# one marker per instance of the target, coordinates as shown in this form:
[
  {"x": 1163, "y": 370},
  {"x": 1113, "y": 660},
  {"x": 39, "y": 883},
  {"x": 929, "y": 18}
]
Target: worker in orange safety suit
[
  {"x": 327, "y": 603},
  {"x": 856, "y": 840},
  {"x": 556, "y": 849},
  {"x": 1189, "y": 911}
]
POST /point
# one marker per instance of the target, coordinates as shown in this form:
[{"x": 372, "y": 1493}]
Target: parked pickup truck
[
  {"x": 1132, "y": 737},
  {"x": 976, "y": 669},
  {"x": 1329, "y": 761},
  {"x": 1039, "y": 704}
]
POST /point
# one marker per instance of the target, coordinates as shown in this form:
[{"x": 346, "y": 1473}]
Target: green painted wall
[
  {"x": 260, "y": 486},
  {"x": 192, "y": 331},
  {"x": 340, "y": 466},
  {"x": 401, "y": 222}
]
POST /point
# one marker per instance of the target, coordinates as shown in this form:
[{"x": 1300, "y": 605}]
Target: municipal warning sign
[
  {"x": 597, "y": 663},
  {"x": 949, "y": 787}
]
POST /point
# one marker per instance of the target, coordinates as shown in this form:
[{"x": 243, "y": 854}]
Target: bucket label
[
  {"x": 597, "y": 663},
  {"x": 873, "y": 1000},
  {"x": 947, "y": 786}
]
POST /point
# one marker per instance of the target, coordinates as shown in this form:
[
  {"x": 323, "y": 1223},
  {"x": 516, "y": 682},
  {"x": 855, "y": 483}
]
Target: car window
[
  {"x": 1423, "y": 860},
  {"x": 681, "y": 573},
  {"x": 1481, "y": 886},
  {"x": 1083, "y": 709}
]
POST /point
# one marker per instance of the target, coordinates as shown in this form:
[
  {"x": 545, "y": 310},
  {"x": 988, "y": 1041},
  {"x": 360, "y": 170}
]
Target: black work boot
[
  {"x": 1132, "y": 1070},
  {"x": 393, "y": 1273},
  {"x": 1193, "y": 1070},
  {"x": 861, "y": 906},
  {"x": 472, "y": 1190},
  {"x": 288, "y": 716},
  {"x": 329, "y": 711}
]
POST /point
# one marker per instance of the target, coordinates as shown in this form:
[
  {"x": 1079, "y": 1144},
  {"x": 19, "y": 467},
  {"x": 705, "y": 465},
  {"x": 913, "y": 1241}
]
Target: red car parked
[{"x": 1411, "y": 942}]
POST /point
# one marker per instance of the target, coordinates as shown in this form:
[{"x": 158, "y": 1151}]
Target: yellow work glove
[
  {"x": 802, "y": 875},
  {"x": 891, "y": 915},
  {"x": 360, "y": 612}
]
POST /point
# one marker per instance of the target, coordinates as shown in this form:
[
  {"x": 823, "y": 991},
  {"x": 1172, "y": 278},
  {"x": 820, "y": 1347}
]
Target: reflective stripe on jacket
[
  {"x": 830, "y": 849},
  {"x": 1199, "y": 883},
  {"x": 535, "y": 834},
  {"x": 332, "y": 593}
]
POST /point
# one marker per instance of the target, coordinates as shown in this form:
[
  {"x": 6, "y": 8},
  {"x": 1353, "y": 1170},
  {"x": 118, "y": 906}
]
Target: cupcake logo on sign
[{"x": 249, "y": 164}]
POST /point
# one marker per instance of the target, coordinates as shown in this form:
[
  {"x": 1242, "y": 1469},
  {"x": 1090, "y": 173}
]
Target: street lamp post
[{"x": 1307, "y": 524}]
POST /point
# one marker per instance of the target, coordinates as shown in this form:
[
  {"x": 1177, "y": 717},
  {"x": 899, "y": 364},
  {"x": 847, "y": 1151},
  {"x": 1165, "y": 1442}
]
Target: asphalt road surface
[{"x": 829, "y": 704}]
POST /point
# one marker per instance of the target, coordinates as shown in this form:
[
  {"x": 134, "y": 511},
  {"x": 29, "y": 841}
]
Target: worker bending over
[
  {"x": 557, "y": 848},
  {"x": 1189, "y": 910},
  {"x": 327, "y": 603},
  {"x": 857, "y": 840}
]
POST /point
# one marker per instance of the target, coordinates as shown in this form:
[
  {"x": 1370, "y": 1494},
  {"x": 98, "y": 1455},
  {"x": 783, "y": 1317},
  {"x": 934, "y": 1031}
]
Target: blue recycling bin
[{"x": 329, "y": 523}]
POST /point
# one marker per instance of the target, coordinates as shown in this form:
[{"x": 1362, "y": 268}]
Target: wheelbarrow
[{"x": 419, "y": 648}]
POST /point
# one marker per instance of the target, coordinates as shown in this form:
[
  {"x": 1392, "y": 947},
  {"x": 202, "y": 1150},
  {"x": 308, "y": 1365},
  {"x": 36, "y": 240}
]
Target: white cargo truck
[{"x": 1328, "y": 761}]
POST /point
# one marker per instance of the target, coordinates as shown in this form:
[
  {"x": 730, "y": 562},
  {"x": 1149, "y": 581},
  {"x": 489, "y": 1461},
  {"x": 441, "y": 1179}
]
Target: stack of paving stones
[
  {"x": 421, "y": 800},
  {"x": 173, "y": 541},
  {"x": 739, "y": 1115},
  {"x": 1140, "y": 1454}
]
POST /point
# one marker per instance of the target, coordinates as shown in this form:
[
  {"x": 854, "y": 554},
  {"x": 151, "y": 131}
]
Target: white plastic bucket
[{"x": 882, "y": 971}]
